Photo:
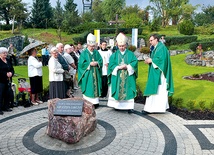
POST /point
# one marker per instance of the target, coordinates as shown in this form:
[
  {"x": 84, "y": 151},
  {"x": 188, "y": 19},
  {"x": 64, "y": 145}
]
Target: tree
[
  {"x": 41, "y": 13},
  {"x": 205, "y": 17},
  {"x": 133, "y": 16},
  {"x": 58, "y": 14},
  {"x": 97, "y": 10},
  {"x": 11, "y": 8},
  {"x": 87, "y": 17},
  {"x": 71, "y": 17},
  {"x": 111, "y": 8},
  {"x": 172, "y": 9}
]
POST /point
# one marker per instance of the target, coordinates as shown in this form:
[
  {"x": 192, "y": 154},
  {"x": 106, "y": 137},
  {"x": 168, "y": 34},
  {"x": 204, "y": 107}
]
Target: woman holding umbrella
[
  {"x": 35, "y": 76},
  {"x": 6, "y": 73}
]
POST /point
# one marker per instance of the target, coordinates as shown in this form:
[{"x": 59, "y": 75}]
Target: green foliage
[
  {"x": 202, "y": 105},
  {"x": 145, "y": 50},
  {"x": 205, "y": 17},
  {"x": 11, "y": 8},
  {"x": 6, "y": 27},
  {"x": 87, "y": 27},
  {"x": 178, "y": 102},
  {"x": 123, "y": 30},
  {"x": 58, "y": 15},
  {"x": 41, "y": 13},
  {"x": 196, "y": 75},
  {"x": 87, "y": 17},
  {"x": 131, "y": 20},
  {"x": 26, "y": 41},
  {"x": 191, "y": 104},
  {"x": 204, "y": 30},
  {"x": 186, "y": 27},
  {"x": 132, "y": 48},
  {"x": 111, "y": 8},
  {"x": 81, "y": 39},
  {"x": 177, "y": 40},
  {"x": 209, "y": 45},
  {"x": 71, "y": 17},
  {"x": 212, "y": 105},
  {"x": 97, "y": 11},
  {"x": 154, "y": 25}
]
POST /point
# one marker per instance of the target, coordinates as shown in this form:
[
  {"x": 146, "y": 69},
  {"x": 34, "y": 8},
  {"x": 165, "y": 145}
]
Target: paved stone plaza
[{"x": 22, "y": 132}]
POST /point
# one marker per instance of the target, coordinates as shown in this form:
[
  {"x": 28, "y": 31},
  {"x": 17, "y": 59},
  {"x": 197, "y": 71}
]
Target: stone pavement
[{"x": 22, "y": 132}]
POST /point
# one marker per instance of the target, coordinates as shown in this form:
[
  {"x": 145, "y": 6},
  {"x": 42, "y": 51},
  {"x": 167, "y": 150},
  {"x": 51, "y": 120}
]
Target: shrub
[
  {"x": 186, "y": 27},
  {"x": 209, "y": 45},
  {"x": 196, "y": 76},
  {"x": 202, "y": 105},
  {"x": 6, "y": 27},
  {"x": 132, "y": 48},
  {"x": 212, "y": 105},
  {"x": 177, "y": 40},
  {"x": 81, "y": 39},
  {"x": 191, "y": 104},
  {"x": 204, "y": 30},
  {"x": 145, "y": 50},
  {"x": 154, "y": 25},
  {"x": 178, "y": 102}
]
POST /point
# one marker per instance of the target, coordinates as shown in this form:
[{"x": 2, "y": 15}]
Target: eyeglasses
[{"x": 151, "y": 40}]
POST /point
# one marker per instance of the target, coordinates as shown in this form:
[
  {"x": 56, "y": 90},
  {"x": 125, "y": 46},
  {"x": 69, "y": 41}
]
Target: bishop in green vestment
[
  {"x": 122, "y": 75},
  {"x": 90, "y": 72},
  {"x": 160, "y": 82}
]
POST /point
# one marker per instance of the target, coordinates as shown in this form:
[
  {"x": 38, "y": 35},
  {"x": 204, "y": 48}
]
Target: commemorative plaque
[{"x": 68, "y": 108}]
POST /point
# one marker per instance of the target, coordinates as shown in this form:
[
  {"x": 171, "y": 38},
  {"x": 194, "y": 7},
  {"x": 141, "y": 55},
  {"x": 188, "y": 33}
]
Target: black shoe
[
  {"x": 130, "y": 111},
  {"x": 1, "y": 113},
  {"x": 96, "y": 106},
  {"x": 8, "y": 110}
]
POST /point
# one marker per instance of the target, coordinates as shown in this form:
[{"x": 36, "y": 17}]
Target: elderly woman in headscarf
[{"x": 6, "y": 73}]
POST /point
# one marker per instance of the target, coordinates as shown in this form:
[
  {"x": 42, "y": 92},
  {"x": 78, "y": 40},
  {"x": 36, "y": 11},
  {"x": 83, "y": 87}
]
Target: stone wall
[{"x": 17, "y": 42}]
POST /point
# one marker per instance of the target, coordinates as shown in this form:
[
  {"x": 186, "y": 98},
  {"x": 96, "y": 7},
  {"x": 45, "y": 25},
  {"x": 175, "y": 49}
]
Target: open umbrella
[{"x": 32, "y": 45}]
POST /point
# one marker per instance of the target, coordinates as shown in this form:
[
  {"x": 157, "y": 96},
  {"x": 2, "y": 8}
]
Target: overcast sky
[{"x": 141, "y": 3}]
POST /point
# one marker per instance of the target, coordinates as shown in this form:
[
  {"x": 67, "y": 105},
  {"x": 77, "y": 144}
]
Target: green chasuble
[
  {"x": 123, "y": 86},
  {"x": 161, "y": 58},
  {"x": 89, "y": 77}
]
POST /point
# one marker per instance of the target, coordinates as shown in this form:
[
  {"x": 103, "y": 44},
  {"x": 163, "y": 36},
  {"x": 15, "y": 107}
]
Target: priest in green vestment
[
  {"x": 122, "y": 75},
  {"x": 160, "y": 82},
  {"x": 90, "y": 72}
]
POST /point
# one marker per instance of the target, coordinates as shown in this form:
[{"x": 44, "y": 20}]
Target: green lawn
[{"x": 196, "y": 90}]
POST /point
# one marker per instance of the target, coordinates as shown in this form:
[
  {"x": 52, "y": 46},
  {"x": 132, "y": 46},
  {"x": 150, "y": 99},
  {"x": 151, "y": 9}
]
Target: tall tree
[
  {"x": 71, "y": 17},
  {"x": 97, "y": 10},
  {"x": 41, "y": 13},
  {"x": 167, "y": 10},
  {"x": 10, "y": 9},
  {"x": 58, "y": 14},
  {"x": 111, "y": 8},
  {"x": 205, "y": 17}
]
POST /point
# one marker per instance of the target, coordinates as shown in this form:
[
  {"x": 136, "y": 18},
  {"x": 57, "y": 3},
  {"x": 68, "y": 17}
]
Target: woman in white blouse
[
  {"x": 57, "y": 85},
  {"x": 35, "y": 76}
]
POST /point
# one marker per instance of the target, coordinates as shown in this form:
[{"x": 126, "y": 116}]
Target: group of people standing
[
  {"x": 101, "y": 73},
  {"x": 119, "y": 71}
]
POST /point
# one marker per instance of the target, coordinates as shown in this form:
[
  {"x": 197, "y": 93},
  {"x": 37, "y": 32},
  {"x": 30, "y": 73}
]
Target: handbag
[{"x": 66, "y": 76}]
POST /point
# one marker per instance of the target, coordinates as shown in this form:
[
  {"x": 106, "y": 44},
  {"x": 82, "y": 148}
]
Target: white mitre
[
  {"x": 91, "y": 39},
  {"x": 121, "y": 39}
]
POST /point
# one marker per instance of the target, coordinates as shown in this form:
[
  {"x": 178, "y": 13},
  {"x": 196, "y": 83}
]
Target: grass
[{"x": 196, "y": 90}]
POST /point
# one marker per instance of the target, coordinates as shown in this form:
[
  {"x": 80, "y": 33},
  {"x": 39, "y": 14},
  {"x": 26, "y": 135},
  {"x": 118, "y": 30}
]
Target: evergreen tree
[
  {"x": 41, "y": 13},
  {"x": 58, "y": 14},
  {"x": 71, "y": 17}
]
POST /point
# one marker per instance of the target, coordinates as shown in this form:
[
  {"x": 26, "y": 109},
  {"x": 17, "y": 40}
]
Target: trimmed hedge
[
  {"x": 177, "y": 40},
  {"x": 82, "y": 38},
  {"x": 123, "y": 30},
  {"x": 209, "y": 45}
]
